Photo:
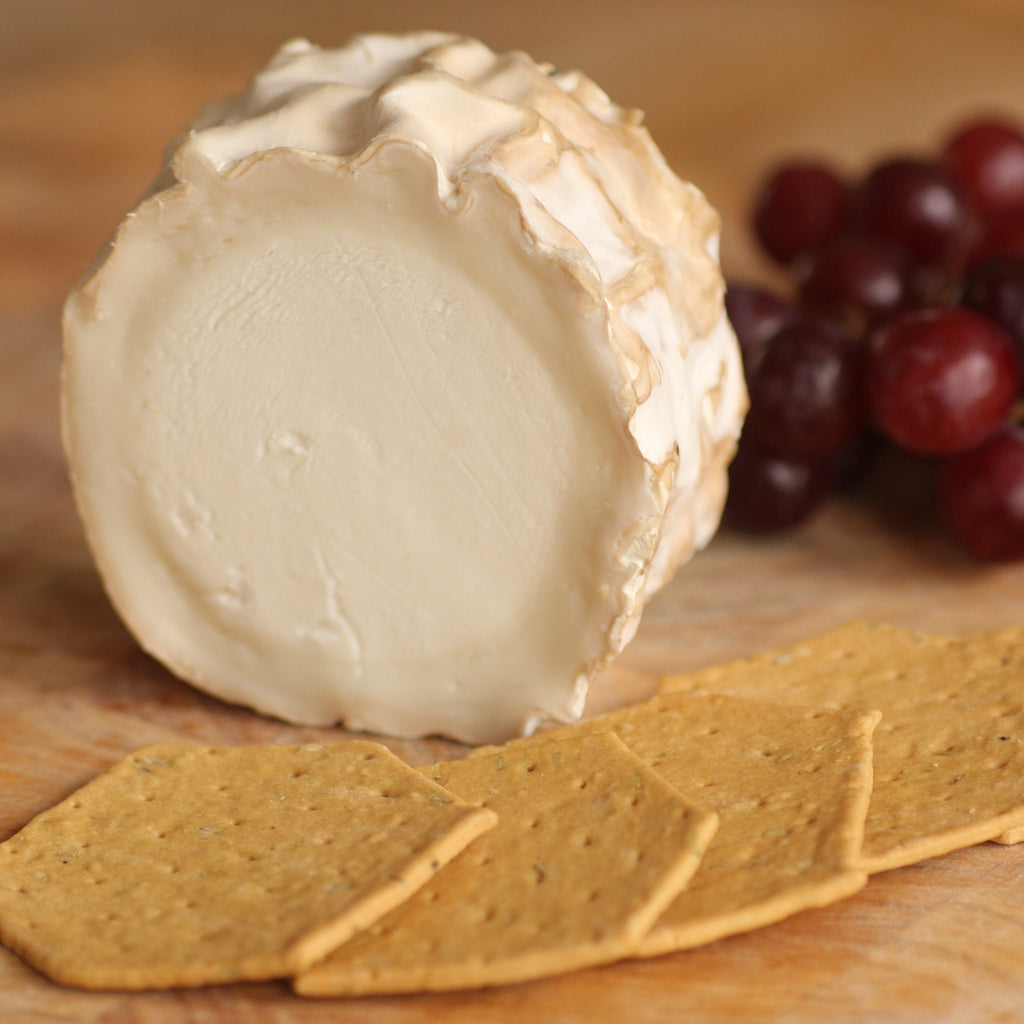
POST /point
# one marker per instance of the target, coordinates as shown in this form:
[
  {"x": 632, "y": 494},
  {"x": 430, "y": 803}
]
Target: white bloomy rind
[{"x": 404, "y": 388}]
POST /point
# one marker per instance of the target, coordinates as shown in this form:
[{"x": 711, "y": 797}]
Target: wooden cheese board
[{"x": 727, "y": 87}]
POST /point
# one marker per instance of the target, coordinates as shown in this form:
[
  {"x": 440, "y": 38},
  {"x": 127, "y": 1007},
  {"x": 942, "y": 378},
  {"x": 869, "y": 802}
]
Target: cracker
[
  {"x": 590, "y": 846},
  {"x": 1010, "y": 837},
  {"x": 189, "y": 865},
  {"x": 791, "y": 788},
  {"x": 949, "y": 752}
]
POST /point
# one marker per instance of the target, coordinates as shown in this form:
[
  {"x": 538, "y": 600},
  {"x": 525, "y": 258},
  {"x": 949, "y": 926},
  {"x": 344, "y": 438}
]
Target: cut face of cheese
[{"x": 375, "y": 407}]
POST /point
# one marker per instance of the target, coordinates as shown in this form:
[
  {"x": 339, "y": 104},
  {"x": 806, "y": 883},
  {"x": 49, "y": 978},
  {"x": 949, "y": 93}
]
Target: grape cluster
[{"x": 904, "y": 330}]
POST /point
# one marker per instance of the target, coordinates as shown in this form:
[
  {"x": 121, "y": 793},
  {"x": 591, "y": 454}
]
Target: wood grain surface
[{"x": 91, "y": 94}]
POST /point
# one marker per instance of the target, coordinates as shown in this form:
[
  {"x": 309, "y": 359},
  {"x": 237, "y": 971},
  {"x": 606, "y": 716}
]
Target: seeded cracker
[
  {"x": 191, "y": 865},
  {"x": 791, "y": 788},
  {"x": 949, "y": 752},
  {"x": 590, "y": 846}
]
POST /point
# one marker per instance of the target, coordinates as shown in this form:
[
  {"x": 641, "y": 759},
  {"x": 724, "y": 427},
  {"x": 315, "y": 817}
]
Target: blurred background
[{"x": 92, "y": 90}]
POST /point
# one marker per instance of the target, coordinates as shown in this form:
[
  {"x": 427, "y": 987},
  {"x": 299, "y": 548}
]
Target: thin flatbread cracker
[
  {"x": 949, "y": 752},
  {"x": 1011, "y": 837},
  {"x": 190, "y": 865},
  {"x": 590, "y": 846},
  {"x": 791, "y": 788}
]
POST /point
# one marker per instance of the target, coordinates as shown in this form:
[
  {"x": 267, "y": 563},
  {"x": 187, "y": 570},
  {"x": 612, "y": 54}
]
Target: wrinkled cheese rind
[{"x": 402, "y": 390}]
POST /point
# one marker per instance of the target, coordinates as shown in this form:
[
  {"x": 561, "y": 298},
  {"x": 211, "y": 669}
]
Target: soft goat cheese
[{"x": 402, "y": 391}]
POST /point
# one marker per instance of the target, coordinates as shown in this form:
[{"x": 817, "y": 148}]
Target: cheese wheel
[{"x": 402, "y": 390}]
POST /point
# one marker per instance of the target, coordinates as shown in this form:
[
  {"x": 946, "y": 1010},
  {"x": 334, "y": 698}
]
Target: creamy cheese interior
[{"x": 361, "y": 444}]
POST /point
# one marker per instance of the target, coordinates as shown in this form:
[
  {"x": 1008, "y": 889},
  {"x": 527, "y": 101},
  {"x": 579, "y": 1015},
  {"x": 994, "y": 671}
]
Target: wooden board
[{"x": 89, "y": 103}]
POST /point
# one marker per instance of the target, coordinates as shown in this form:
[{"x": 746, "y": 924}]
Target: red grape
[
  {"x": 981, "y": 497},
  {"x": 756, "y": 316},
  {"x": 1001, "y": 236},
  {"x": 805, "y": 398},
  {"x": 987, "y": 157},
  {"x": 856, "y": 278},
  {"x": 768, "y": 492},
  {"x": 800, "y": 205},
  {"x": 941, "y": 380},
  {"x": 995, "y": 288},
  {"x": 917, "y": 204}
]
